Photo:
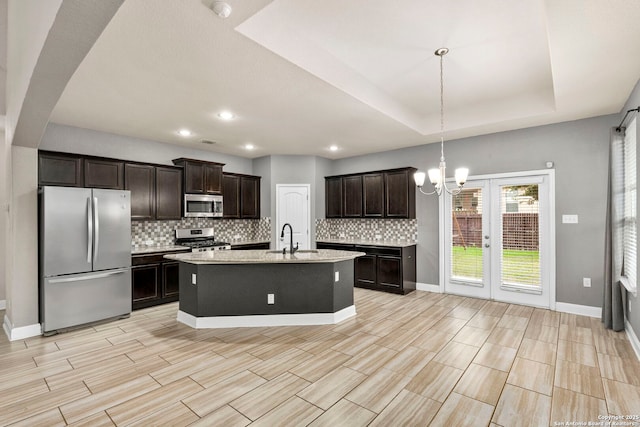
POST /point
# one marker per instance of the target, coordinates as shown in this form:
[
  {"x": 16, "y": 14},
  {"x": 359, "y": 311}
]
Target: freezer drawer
[{"x": 77, "y": 299}]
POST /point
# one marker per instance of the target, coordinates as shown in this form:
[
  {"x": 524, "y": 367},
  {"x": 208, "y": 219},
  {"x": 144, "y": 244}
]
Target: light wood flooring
[{"x": 420, "y": 359}]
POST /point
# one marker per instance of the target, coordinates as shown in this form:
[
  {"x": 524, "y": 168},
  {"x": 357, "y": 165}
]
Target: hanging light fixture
[{"x": 437, "y": 176}]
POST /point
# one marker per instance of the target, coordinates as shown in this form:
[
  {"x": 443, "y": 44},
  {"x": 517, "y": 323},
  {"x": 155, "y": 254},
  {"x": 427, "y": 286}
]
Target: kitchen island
[{"x": 224, "y": 289}]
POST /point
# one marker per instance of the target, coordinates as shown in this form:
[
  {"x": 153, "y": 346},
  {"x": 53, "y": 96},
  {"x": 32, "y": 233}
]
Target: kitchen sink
[{"x": 299, "y": 251}]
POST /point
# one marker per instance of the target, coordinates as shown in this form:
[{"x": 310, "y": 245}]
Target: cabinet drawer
[
  {"x": 335, "y": 246},
  {"x": 380, "y": 250}
]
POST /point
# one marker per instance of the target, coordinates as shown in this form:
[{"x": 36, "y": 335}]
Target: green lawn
[{"x": 522, "y": 267}]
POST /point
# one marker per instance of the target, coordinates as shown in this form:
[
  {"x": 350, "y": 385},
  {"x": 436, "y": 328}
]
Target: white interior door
[
  {"x": 293, "y": 208},
  {"x": 498, "y": 240}
]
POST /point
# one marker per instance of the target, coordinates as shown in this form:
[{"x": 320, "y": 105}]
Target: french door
[{"x": 498, "y": 240}]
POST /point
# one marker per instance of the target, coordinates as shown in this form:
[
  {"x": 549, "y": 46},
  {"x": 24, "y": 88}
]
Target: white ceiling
[{"x": 302, "y": 75}]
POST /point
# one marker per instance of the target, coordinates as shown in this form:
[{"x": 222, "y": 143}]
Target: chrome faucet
[{"x": 291, "y": 248}]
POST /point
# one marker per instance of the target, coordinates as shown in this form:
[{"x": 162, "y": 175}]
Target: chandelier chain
[{"x": 441, "y": 109}]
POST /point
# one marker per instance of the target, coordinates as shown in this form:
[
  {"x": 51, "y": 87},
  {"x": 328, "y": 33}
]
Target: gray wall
[
  {"x": 579, "y": 150},
  {"x": 84, "y": 141},
  {"x": 633, "y": 311}
]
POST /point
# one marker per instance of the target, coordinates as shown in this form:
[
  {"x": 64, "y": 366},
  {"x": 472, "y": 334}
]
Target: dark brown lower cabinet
[
  {"x": 383, "y": 268},
  {"x": 154, "y": 280},
  {"x": 265, "y": 246}
]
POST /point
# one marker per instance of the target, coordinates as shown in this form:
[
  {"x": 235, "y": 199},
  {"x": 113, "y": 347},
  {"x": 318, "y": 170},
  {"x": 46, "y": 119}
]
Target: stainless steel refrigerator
[{"x": 85, "y": 256}]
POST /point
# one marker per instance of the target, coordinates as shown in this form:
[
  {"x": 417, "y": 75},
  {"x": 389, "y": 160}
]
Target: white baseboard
[
  {"x": 3, "y": 304},
  {"x": 633, "y": 338},
  {"x": 583, "y": 310},
  {"x": 266, "y": 319},
  {"x": 21, "y": 332},
  {"x": 428, "y": 288}
]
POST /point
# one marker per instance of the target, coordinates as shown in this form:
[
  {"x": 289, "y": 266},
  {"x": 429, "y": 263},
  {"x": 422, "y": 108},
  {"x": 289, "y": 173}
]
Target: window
[{"x": 630, "y": 233}]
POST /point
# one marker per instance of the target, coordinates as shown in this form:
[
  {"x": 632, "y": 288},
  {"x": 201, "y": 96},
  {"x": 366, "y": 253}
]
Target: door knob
[
  {"x": 486, "y": 245},
  {"x": 486, "y": 236}
]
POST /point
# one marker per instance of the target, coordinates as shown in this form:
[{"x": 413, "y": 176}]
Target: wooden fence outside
[{"x": 519, "y": 230}]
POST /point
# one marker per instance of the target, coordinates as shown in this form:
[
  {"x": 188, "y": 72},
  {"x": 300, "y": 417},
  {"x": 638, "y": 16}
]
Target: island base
[{"x": 307, "y": 319}]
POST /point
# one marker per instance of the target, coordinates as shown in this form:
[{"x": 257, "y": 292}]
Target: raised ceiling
[{"x": 302, "y": 75}]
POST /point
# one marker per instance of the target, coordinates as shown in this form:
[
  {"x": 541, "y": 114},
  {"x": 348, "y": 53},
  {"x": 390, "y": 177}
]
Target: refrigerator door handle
[
  {"x": 88, "y": 276},
  {"x": 89, "y": 229},
  {"x": 96, "y": 226}
]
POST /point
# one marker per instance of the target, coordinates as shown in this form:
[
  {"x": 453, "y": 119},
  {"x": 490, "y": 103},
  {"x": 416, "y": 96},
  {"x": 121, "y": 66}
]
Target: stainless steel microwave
[{"x": 202, "y": 205}]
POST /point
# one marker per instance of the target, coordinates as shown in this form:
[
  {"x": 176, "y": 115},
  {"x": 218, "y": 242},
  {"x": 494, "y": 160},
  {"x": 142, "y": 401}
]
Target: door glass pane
[
  {"x": 466, "y": 235},
  {"x": 520, "y": 249}
]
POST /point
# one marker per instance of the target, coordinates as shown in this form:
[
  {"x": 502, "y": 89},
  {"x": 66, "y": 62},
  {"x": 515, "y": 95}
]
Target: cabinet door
[
  {"x": 103, "y": 174},
  {"x": 170, "y": 279},
  {"x": 400, "y": 194},
  {"x": 365, "y": 271},
  {"x": 249, "y": 197},
  {"x": 60, "y": 169},
  {"x": 352, "y": 196},
  {"x": 194, "y": 178},
  {"x": 168, "y": 193},
  {"x": 144, "y": 283},
  {"x": 333, "y": 197},
  {"x": 140, "y": 180},
  {"x": 389, "y": 270},
  {"x": 230, "y": 196},
  {"x": 212, "y": 179},
  {"x": 373, "y": 194}
]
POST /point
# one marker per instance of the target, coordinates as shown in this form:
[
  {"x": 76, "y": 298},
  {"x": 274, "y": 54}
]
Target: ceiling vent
[{"x": 207, "y": 141}]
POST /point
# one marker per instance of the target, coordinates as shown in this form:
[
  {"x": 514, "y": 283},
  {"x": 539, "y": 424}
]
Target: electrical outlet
[
  {"x": 193, "y": 278},
  {"x": 271, "y": 299},
  {"x": 569, "y": 219},
  {"x": 586, "y": 282},
  {"x": 337, "y": 278}
]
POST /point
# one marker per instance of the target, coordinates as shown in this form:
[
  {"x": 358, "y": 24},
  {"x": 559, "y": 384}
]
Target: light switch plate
[
  {"x": 193, "y": 278},
  {"x": 569, "y": 219},
  {"x": 586, "y": 282},
  {"x": 337, "y": 276}
]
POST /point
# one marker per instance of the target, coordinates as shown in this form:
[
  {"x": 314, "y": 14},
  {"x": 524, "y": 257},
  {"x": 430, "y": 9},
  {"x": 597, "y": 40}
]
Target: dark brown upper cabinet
[
  {"x": 333, "y": 197},
  {"x": 373, "y": 195},
  {"x": 103, "y": 173},
  {"x": 60, "y": 169},
  {"x": 168, "y": 193},
  {"x": 241, "y": 196},
  {"x": 378, "y": 194},
  {"x": 230, "y": 196},
  {"x": 250, "y": 197},
  {"x": 400, "y": 193},
  {"x": 201, "y": 177},
  {"x": 140, "y": 179},
  {"x": 352, "y": 196}
]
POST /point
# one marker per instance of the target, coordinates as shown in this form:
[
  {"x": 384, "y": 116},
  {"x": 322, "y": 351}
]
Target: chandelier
[{"x": 437, "y": 176}]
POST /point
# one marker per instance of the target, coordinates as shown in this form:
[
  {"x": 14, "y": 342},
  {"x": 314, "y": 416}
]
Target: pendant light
[{"x": 437, "y": 175}]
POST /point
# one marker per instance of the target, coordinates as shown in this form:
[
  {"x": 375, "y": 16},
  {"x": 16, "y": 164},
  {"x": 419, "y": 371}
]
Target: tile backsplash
[
  {"x": 367, "y": 229},
  {"x": 228, "y": 230}
]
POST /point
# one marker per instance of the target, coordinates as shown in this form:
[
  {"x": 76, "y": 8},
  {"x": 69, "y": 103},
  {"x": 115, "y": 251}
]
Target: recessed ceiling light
[
  {"x": 333, "y": 148},
  {"x": 249, "y": 147},
  {"x": 184, "y": 132},
  {"x": 226, "y": 115}
]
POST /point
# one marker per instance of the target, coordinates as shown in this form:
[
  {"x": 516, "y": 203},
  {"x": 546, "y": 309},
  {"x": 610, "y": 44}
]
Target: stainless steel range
[{"x": 199, "y": 239}]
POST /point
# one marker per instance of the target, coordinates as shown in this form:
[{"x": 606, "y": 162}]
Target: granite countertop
[
  {"x": 144, "y": 250},
  {"x": 367, "y": 242},
  {"x": 261, "y": 256}
]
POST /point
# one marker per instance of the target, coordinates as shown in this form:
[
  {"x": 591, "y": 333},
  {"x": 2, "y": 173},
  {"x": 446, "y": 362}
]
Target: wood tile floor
[{"x": 419, "y": 359}]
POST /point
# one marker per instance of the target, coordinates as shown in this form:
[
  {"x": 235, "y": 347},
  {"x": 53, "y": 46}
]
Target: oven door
[{"x": 202, "y": 206}]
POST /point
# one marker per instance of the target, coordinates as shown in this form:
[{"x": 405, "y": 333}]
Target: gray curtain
[{"x": 614, "y": 292}]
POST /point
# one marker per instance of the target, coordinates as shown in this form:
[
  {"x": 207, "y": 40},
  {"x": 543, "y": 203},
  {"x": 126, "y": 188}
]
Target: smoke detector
[{"x": 222, "y": 9}]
